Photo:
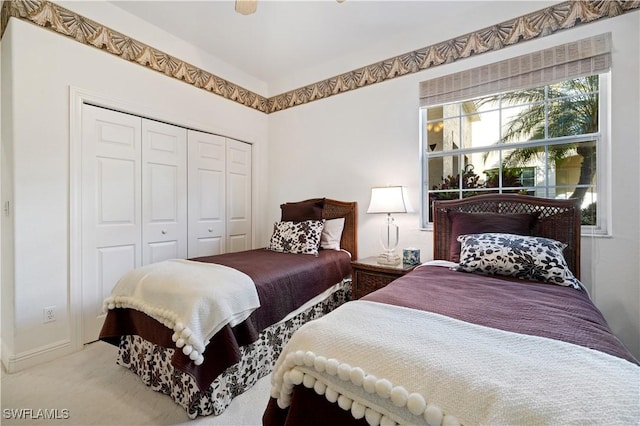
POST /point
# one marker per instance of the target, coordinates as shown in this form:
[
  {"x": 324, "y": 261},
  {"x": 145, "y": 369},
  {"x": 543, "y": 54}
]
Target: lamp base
[{"x": 391, "y": 259}]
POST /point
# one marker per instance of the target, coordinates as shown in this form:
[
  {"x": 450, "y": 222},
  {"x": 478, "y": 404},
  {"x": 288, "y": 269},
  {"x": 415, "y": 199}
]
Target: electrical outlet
[{"x": 49, "y": 314}]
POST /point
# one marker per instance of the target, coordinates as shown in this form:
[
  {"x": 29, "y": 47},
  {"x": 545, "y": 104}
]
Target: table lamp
[{"x": 389, "y": 199}]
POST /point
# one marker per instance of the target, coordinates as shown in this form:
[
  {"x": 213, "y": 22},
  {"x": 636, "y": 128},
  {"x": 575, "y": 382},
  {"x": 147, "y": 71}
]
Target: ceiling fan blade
[{"x": 246, "y": 7}]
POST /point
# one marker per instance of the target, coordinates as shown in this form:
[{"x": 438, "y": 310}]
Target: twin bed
[
  {"x": 505, "y": 335},
  {"x": 292, "y": 285},
  {"x": 498, "y": 330}
]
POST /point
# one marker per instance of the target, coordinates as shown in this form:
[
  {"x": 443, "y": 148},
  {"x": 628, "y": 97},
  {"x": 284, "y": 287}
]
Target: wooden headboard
[
  {"x": 557, "y": 219},
  {"x": 334, "y": 209}
]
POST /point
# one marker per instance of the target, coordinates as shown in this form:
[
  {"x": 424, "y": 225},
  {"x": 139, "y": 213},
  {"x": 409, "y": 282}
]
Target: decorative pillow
[
  {"x": 331, "y": 234},
  {"x": 532, "y": 258},
  {"x": 296, "y": 237},
  {"x": 303, "y": 210},
  {"x": 475, "y": 223}
]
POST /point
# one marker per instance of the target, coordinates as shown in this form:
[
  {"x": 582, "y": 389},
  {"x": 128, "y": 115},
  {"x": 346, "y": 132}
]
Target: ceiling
[{"x": 286, "y": 37}]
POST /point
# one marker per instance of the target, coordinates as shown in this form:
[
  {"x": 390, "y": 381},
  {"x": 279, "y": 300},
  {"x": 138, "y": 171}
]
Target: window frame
[{"x": 603, "y": 166}]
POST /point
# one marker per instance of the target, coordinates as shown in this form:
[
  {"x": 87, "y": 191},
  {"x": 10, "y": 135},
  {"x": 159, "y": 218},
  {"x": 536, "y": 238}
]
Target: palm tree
[{"x": 573, "y": 110}]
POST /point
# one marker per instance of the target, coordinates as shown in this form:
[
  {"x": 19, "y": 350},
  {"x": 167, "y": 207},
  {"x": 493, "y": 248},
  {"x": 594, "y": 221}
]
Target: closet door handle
[
  {"x": 164, "y": 231},
  {"x": 210, "y": 229}
]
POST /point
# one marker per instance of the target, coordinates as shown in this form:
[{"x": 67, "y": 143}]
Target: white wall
[
  {"x": 348, "y": 143},
  {"x": 39, "y": 68}
]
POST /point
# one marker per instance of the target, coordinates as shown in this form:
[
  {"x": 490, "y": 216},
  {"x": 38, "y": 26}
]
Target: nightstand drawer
[
  {"x": 369, "y": 275},
  {"x": 366, "y": 282}
]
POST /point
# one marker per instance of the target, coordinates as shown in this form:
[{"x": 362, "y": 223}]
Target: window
[{"x": 544, "y": 139}]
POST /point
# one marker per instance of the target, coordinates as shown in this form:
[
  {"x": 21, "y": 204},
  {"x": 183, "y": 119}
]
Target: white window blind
[{"x": 576, "y": 59}]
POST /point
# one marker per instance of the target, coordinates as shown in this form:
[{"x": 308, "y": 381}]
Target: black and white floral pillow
[
  {"x": 533, "y": 258},
  {"x": 296, "y": 237}
]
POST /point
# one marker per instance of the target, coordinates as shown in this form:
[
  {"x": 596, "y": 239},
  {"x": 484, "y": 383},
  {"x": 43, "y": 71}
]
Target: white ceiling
[{"x": 286, "y": 37}]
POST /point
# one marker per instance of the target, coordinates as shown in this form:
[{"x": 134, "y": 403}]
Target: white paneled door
[
  {"x": 153, "y": 191},
  {"x": 111, "y": 194},
  {"x": 238, "y": 195},
  {"x": 164, "y": 192},
  {"x": 206, "y": 205}
]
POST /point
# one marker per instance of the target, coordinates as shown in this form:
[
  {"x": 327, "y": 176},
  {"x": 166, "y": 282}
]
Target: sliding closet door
[
  {"x": 149, "y": 195},
  {"x": 238, "y": 196},
  {"x": 111, "y": 203},
  {"x": 164, "y": 192},
  {"x": 206, "y": 181}
]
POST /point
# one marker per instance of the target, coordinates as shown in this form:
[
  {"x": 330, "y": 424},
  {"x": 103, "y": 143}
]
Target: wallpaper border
[{"x": 537, "y": 24}]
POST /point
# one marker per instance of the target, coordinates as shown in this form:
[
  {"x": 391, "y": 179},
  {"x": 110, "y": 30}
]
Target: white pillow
[{"x": 331, "y": 234}]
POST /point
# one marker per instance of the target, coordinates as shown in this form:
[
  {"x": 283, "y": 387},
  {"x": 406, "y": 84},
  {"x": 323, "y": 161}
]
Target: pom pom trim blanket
[
  {"x": 439, "y": 370},
  {"x": 194, "y": 299}
]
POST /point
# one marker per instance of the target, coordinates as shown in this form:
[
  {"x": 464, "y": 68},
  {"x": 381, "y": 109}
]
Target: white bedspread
[
  {"x": 194, "y": 299},
  {"x": 397, "y": 365}
]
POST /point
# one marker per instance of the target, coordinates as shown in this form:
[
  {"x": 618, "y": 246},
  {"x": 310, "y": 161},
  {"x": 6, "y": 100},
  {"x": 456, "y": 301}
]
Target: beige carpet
[{"x": 96, "y": 391}]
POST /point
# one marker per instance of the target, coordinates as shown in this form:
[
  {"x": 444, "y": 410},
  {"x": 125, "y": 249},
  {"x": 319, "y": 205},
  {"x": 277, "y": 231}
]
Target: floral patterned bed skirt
[{"x": 153, "y": 363}]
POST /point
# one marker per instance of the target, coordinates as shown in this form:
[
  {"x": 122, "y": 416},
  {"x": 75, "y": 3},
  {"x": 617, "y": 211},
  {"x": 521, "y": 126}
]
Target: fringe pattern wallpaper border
[{"x": 534, "y": 25}]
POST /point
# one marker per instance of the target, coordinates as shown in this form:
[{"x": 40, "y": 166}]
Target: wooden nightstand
[{"x": 368, "y": 275}]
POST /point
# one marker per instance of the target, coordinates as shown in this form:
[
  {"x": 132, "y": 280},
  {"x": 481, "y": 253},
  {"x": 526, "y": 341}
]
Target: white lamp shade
[{"x": 389, "y": 199}]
